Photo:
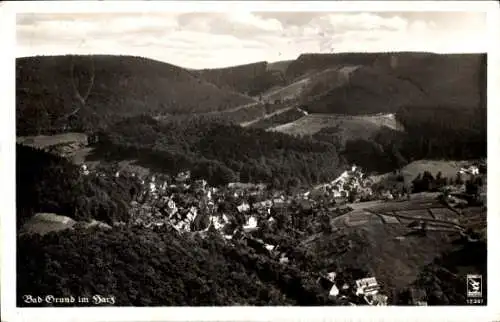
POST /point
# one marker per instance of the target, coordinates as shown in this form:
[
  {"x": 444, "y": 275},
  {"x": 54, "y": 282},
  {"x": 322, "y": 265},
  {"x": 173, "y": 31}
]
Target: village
[{"x": 236, "y": 211}]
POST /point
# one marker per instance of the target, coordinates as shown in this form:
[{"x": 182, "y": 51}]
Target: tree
[{"x": 471, "y": 188}]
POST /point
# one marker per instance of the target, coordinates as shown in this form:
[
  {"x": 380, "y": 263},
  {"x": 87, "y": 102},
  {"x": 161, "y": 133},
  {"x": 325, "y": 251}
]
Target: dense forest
[
  {"x": 220, "y": 153},
  {"x": 85, "y": 92},
  {"x": 439, "y": 132},
  {"x": 141, "y": 267},
  {"x": 385, "y": 82},
  {"x": 251, "y": 79},
  {"x": 50, "y": 183},
  {"x": 441, "y": 282}
]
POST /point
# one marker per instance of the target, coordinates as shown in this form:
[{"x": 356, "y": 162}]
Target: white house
[
  {"x": 219, "y": 222},
  {"x": 251, "y": 223},
  {"x": 243, "y": 207},
  {"x": 472, "y": 170},
  {"x": 376, "y": 299},
  {"x": 334, "y": 291},
  {"x": 331, "y": 276},
  {"x": 270, "y": 247},
  {"x": 85, "y": 171},
  {"x": 367, "y": 286},
  {"x": 284, "y": 259}
]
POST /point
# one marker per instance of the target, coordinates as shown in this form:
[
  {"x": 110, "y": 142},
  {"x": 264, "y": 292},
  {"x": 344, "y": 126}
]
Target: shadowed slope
[{"x": 116, "y": 85}]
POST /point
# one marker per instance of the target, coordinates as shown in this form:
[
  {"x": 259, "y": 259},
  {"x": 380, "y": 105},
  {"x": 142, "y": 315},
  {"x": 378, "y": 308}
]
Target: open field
[
  {"x": 429, "y": 210},
  {"x": 45, "y": 222},
  {"x": 392, "y": 251},
  {"x": 44, "y": 141},
  {"x": 409, "y": 172},
  {"x": 268, "y": 116},
  {"x": 287, "y": 116},
  {"x": 348, "y": 127},
  {"x": 288, "y": 92}
]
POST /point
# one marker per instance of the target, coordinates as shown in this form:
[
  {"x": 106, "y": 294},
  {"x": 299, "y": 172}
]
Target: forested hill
[
  {"x": 252, "y": 79},
  {"x": 140, "y": 267},
  {"x": 221, "y": 153},
  {"x": 50, "y": 183},
  {"x": 365, "y": 83},
  {"x": 87, "y": 91},
  {"x": 385, "y": 82}
]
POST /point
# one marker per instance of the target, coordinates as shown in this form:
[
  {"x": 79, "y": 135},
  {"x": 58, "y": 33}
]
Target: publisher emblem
[{"x": 474, "y": 286}]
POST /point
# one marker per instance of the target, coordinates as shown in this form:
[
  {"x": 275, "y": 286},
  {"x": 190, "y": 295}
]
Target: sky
[{"x": 220, "y": 39}]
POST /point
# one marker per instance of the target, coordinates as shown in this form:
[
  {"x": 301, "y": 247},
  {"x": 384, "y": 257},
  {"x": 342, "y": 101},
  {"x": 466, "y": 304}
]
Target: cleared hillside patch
[
  {"x": 382, "y": 244},
  {"x": 288, "y": 116},
  {"x": 346, "y": 127},
  {"x": 44, "y": 141},
  {"x": 409, "y": 172}
]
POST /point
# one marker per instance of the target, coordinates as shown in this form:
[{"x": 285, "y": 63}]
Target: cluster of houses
[
  {"x": 352, "y": 181},
  {"x": 364, "y": 291},
  {"x": 189, "y": 205},
  {"x": 192, "y": 205},
  {"x": 471, "y": 170}
]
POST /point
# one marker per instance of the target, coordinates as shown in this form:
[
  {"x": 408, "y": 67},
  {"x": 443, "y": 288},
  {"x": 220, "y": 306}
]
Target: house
[
  {"x": 376, "y": 299},
  {"x": 85, "y": 170},
  {"x": 219, "y": 222},
  {"x": 284, "y": 259},
  {"x": 279, "y": 205},
  {"x": 199, "y": 185},
  {"x": 244, "y": 207},
  {"x": 331, "y": 276},
  {"x": 305, "y": 205},
  {"x": 251, "y": 223},
  {"x": 171, "y": 208},
  {"x": 387, "y": 195},
  {"x": 325, "y": 283},
  {"x": 183, "y": 176},
  {"x": 270, "y": 248},
  {"x": 367, "y": 286},
  {"x": 334, "y": 291},
  {"x": 472, "y": 170}
]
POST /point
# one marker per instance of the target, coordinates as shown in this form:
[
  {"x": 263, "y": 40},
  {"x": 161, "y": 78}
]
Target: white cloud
[
  {"x": 200, "y": 40},
  {"x": 249, "y": 19},
  {"x": 366, "y": 21}
]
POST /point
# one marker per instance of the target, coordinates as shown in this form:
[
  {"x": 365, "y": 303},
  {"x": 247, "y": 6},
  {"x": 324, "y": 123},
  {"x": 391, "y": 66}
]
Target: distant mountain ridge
[
  {"x": 250, "y": 79},
  {"x": 385, "y": 82},
  {"x": 339, "y": 83},
  {"x": 120, "y": 86},
  {"x": 358, "y": 83}
]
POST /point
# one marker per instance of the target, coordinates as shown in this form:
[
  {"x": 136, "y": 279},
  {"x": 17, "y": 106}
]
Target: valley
[{"x": 281, "y": 183}]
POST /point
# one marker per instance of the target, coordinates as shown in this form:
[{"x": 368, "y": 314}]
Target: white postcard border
[{"x": 7, "y": 171}]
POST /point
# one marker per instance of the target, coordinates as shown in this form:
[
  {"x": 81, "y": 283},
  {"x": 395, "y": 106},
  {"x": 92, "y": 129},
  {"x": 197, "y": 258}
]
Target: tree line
[
  {"x": 49, "y": 183},
  {"x": 220, "y": 153},
  {"x": 141, "y": 267},
  {"x": 439, "y": 132}
]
